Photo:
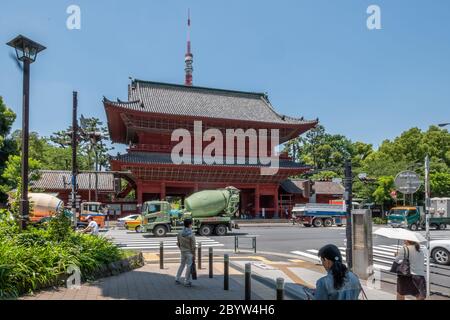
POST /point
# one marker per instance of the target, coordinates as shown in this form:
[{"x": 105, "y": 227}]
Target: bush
[
  {"x": 378, "y": 220},
  {"x": 36, "y": 258}
]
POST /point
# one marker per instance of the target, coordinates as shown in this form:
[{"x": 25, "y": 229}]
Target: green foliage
[
  {"x": 378, "y": 220},
  {"x": 327, "y": 153},
  {"x": 12, "y": 172},
  {"x": 324, "y": 175},
  {"x": 440, "y": 184},
  {"x": 7, "y": 146},
  {"x": 37, "y": 257},
  {"x": 385, "y": 185},
  {"x": 59, "y": 228},
  {"x": 92, "y": 150}
]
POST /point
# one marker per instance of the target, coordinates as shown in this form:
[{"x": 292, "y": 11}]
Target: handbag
[
  {"x": 402, "y": 268},
  {"x": 193, "y": 270}
]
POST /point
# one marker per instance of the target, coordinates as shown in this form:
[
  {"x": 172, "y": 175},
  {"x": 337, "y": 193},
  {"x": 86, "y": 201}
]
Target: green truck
[
  {"x": 210, "y": 210},
  {"x": 413, "y": 218}
]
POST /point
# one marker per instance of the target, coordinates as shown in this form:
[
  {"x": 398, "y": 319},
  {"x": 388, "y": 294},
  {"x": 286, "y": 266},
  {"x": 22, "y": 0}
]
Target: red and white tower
[{"x": 188, "y": 58}]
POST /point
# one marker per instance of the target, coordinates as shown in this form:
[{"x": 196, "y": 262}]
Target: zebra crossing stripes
[
  {"x": 151, "y": 243},
  {"x": 383, "y": 255}
]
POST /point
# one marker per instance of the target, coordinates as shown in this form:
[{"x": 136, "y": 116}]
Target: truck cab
[
  {"x": 94, "y": 209},
  {"x": 159, "y": 217},
  {"x": 405, "y": 217}
]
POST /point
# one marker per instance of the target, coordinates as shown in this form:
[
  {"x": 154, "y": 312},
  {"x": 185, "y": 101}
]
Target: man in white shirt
[{"x": 92, "y": 227}]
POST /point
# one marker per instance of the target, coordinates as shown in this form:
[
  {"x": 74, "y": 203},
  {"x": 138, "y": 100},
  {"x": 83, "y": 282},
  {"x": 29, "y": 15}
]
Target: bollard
[
  {"x": 199, "y": 256},
  {"x": 248, "y": 281},
  {"x": 226, "y": 273},
  {"x": 161, "y": 255},
  {"x": 280, "y": 289},
  {"x": 210, "y": 262}
]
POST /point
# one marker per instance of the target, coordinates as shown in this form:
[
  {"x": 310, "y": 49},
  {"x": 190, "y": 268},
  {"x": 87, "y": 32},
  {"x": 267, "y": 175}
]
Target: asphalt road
[{"x": 294, "y": 240}]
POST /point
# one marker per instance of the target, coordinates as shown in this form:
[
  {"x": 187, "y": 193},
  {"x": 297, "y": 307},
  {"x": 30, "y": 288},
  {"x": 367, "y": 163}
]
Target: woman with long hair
[
  {"x": 339, "y": 283},
  {"x": 415, "y": 283}
]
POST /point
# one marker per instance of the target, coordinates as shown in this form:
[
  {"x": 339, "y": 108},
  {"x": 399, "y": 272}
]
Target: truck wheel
[
  {"x": 160, "y": 231},
  {"x": 328, "y": 223},
  {"x": 441, "y": 256},
  {"x": 138, "y": 229},
  {"x": 205, "y": 230},
  {"x": 442, "y": 226},
  {"x": 317, "y": 222},
  {"x": 220, "y": 230},
  {"x": 413, "y": 227}
]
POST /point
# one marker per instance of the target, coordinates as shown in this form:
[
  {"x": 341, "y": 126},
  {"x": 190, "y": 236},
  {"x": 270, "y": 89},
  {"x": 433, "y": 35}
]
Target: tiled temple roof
[
  {"x": 165, "y": 158},
  {"x": 54, "y": 180},
  {"x": 173, "y": 99},
  {"x": 320, "y": 187}
]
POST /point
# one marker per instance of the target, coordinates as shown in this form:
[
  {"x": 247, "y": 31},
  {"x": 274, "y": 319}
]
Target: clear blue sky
[{"x": 315, "y": 58}]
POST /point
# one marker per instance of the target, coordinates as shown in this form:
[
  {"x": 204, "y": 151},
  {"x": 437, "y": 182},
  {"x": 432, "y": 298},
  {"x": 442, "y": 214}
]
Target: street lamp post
[{"x": 26, "y": 51}]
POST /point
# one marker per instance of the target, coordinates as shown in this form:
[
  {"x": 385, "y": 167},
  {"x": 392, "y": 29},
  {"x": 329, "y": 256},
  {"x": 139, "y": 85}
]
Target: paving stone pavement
[{"x": 151, "y": 283}]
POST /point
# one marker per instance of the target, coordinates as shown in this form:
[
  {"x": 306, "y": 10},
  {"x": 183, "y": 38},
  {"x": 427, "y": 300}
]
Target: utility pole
[
  {"x": 348, "y": 203},
  {"x": 427, "y": 218},
  {"x": 74, "y": 156}
]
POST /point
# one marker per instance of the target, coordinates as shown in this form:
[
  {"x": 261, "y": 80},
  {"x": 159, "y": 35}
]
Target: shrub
[
  {"x": 378, "y": 220},
  {"x": 35, "y": 258}
]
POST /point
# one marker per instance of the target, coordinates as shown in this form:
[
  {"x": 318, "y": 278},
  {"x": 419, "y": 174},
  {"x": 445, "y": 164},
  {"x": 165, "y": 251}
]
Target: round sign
[{"x": 407, "y": 182}]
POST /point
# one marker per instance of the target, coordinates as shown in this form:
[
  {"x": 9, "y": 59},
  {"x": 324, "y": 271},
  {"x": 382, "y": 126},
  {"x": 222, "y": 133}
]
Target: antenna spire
[{"x": 188, "y": 58}]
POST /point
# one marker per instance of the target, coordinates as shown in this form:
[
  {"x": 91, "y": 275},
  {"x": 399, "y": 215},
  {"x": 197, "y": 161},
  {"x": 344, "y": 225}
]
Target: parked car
[
  {"x": 440, "y": 251},
  {"x": 121, "y": 221}
]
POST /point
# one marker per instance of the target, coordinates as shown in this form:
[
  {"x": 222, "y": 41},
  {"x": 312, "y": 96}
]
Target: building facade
[{"x": 148, "y": 120}]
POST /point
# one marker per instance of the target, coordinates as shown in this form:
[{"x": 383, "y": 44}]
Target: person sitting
[{"x": 339, "y": 283}]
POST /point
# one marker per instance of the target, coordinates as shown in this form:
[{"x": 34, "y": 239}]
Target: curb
[
  {"x": 271, "y": 284},
  {"x": 267, "y": 224}
]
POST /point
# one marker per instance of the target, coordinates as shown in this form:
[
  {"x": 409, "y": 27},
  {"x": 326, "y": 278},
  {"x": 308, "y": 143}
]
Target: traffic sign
[{"x": 407, "y": 182}]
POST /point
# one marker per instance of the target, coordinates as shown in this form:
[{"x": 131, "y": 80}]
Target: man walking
[{"x": 186, "y": 243}]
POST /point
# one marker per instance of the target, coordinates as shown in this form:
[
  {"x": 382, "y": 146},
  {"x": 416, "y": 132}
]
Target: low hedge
[{"x": 38, "y": 258}]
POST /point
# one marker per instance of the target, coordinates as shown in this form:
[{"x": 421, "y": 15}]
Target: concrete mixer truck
[{"x": 210, "y": 210}]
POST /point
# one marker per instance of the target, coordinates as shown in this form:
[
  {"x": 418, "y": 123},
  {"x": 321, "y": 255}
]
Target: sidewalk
[
  {"x": 298, "y": 274},
  {"x": 152, "y": 283}
]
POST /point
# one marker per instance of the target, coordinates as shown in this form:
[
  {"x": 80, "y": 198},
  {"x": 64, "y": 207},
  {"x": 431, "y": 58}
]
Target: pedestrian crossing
[
  {"x": 138, "y": 241},
  {"x": 383, "y": 256}
]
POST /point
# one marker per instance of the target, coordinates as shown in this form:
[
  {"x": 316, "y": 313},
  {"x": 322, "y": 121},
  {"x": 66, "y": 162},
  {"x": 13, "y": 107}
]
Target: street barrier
[
  {"x": 161, "y": 255},
  {"x": 226, "y": 273},
  {"x": 210, "y": 262},
  {"x": 280, "y": 289},
  {"x": 236, "y": 243},
  {"x": 199, "y": 254},
  {"x": 248, "y": 281}
]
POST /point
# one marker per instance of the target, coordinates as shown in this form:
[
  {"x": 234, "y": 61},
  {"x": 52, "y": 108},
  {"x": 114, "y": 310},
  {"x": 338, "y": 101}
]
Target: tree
[
  {"x": 382, "y": 193},
  {"x": 49, "y": 155},
  {"x": 324, "y": 175},
  {"x": 12, "y": 172},
  {"x": 92, "y": 148},
  {"x": 440, "y": 184},
  {"x": 7, "y": 146}
]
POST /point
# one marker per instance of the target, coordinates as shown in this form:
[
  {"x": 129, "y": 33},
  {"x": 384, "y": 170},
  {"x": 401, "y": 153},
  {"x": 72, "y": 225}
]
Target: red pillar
[
  {"x": 139, "y": 192},
  {"x": 275, "y": 203},
  {"x": 257, "y": 209},
  {"x": 162, "y": 194}
]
